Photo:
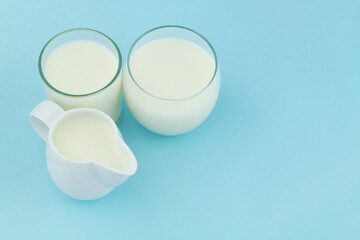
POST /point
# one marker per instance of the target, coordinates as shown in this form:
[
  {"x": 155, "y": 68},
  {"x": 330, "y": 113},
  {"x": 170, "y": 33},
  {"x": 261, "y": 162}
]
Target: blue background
[{"x": 278, "y": 158}]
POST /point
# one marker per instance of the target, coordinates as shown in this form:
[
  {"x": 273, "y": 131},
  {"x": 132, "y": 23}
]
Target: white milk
[
  {"x": 172, "y": 68},
  {"x": 178, "y": 73},
  {"x": 81, "y": 67},
  {"x": 89, "y": 138}
]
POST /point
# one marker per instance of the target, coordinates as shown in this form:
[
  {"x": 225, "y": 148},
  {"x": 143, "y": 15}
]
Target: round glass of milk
[
  {"x": 81, "y": 68},
  {"x": 171, "y": 79}
]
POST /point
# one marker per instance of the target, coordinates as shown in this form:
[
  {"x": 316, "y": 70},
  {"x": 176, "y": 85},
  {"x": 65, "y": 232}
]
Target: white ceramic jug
[{"x": 84, "y": 180}]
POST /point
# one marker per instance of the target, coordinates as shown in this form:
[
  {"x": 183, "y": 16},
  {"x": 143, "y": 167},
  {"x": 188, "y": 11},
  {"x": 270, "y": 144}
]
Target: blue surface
[{"x": 278, "y": 158}]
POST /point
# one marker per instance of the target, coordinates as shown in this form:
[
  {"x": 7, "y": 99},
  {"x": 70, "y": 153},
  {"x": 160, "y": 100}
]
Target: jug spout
[{"x": 113, "y": 177}]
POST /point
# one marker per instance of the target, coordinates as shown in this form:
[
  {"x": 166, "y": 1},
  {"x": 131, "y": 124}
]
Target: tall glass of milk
[
  {"x": 171, "y": 79},
  {"x": 81, "y": 68}
]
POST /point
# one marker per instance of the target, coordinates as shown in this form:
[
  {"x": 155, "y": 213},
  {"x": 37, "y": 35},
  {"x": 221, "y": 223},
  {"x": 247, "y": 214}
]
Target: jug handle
[{"x": 43, "y": 116}]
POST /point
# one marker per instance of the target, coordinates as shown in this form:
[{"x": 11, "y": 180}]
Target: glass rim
[
  {"x": 179, "y": 27},
  {"x": 74, "y": 30}
]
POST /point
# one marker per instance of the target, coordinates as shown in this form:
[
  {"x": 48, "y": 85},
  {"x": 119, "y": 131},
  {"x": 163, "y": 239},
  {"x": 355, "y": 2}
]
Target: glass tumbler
[
  {"x": 107, "y": 98},
  {"x": 169, "y": 116}
]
